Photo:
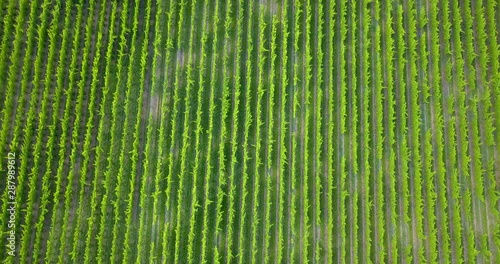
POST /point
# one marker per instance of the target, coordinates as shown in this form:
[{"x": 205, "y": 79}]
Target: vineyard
[{"x": 242, "y": 131}]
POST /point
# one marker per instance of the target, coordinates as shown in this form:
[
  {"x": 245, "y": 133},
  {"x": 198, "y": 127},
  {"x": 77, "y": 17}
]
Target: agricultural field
[{"x": 242, "y": 131}]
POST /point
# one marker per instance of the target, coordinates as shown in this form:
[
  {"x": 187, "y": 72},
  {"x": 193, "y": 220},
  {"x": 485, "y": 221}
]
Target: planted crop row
[
  {"x": 342, "y": 156},
  {"x": 28, "y": 131},
  {"x": 157, "y": 230},
  {"x": 246, "y": 134},
  {"x": 128, "y": 256},
  {"x": 437, "y": 131},
  {"x": 53, "y": 240},
  {"x": 281, "y": 149},
  {"x": 206, "y": 238},
  {"x": 402, "y": 151},
  {"x": 231, "y": 230},
  {"x": 450, "y": 137},
  {"x": 268, "y": 194},
  {"x": 470, "y": 250},
  {"x": 197, "y": 176},
  {"x": 223, "y": 188},
  {"x": 377, "y": 124},
  {"x": 171, "y": 210},
  {"x": 42, "y": 120},
  {"x": 353, "y": 177},
  {"x": 51, "y": 144},
  {"x": 365, "y": 170},
  {"x": 120, "y": 202},
  {"x": 107, "y": 213},
  {"x": 9, "y": 102},
  {"x": 330, "y": 128},
  {"x": 100, "y": 151},
  {"x": 146, "y": 190},
  {"x": 255, "y": 218},
  {"x": 81, "y": 215},
  {"x": 67, "y": 221},
  {"x": 390, "y": 131}
]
